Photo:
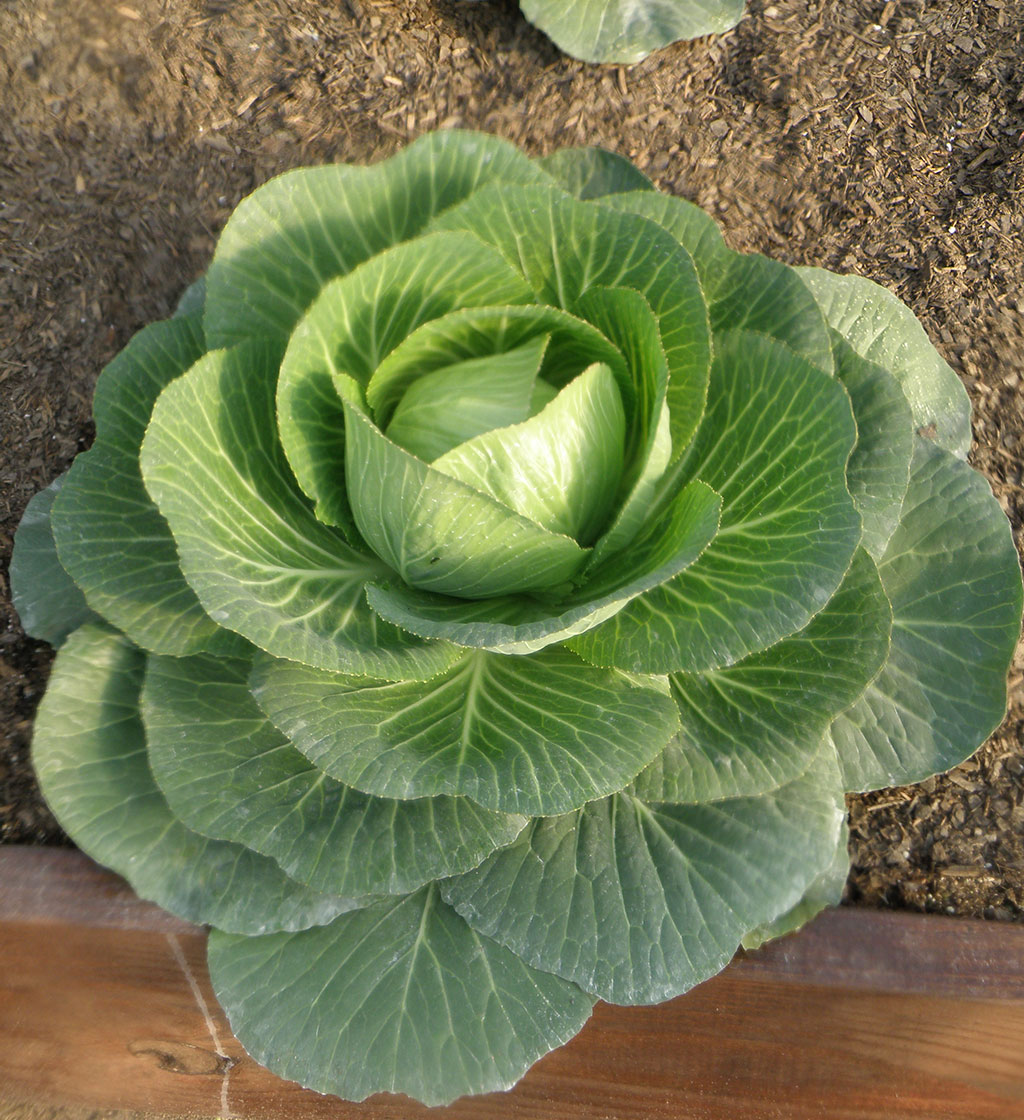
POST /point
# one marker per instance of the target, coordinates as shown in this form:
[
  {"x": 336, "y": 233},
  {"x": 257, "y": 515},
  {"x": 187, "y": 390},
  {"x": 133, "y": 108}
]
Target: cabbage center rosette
[{"x": 480, "y": 595}]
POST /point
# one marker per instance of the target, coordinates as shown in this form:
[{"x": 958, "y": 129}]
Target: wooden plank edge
[
  {"x": 898, "y": 951},
  {"x": 105, "y": 1002}
]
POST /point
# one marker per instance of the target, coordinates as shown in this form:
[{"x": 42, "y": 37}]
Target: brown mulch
[{"x": 882, "y": 138}]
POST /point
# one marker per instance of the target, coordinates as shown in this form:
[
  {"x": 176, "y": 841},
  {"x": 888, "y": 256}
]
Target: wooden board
[{"x": 105, "y": 1003}]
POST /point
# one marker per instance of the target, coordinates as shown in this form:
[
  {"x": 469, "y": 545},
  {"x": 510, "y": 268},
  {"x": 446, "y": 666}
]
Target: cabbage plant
[
  {"x": 626, "y": 31},
  {"x": 480, "y": 595}
]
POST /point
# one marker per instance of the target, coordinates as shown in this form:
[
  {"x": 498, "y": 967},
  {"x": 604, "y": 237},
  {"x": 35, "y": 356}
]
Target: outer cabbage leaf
[
  {"x": 885, "y": 331},
  {"x": 758, "y": 294},
  {"x": 205, "y": 731},
  {"x": 744, "y": 290},
  {"x": 192, "y": 300},
  {"x": 691, "y": 226},
  {"x": 588, "y": 173},
  {"x": 751, "y": 727},
  {"x": 879, "y": 468},
  {"x": 48, "y": 601},
  {"x": 104, "y": 510},
  {"x": 826, "y": 889},
  {"x": 89, "y": 751},
  {"x": 403, "y": 996},
  {"x": 952, "y": 574},
  {"x": 637, "y": 902}
]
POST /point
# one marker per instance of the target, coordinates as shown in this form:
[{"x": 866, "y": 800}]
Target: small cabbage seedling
[
  {"x": 626, "y": 31},
  {"x": 482, "y": 592}
]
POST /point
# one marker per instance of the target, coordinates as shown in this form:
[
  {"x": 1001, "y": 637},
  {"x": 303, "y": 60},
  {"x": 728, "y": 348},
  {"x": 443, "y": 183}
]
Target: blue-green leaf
[
  {"x": 824, "y": 890},
  {"x": 637, "y": 902},
  {"x": 192, "y": 300},
  {"x": 89, "y": 750},
  {"x": 401, "y": 997},
  {"x": 626, "y": 31},
  {"x": 952, "y": 574},
  {"x": 755, "y": 293},
  {"x": 744, "y": 290},
  {"x": 879, "y": 468},
  {"x": 588, "y": 173},
  {"x": 48, "y": 601},
  {"x": 691, "y": 226}
]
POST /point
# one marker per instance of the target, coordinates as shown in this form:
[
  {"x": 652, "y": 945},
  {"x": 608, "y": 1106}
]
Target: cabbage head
[
  {"x": 626, "y": 31},
  {"x": 480, "y": 595}
]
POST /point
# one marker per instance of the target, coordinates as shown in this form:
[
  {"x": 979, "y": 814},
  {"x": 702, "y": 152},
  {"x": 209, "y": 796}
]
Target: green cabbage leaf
[{"x": 626, "y": 31}]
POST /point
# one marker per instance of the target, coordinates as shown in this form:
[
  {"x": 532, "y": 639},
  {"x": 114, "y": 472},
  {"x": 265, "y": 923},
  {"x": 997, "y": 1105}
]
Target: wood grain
[{"x": 105, "y": 1003}]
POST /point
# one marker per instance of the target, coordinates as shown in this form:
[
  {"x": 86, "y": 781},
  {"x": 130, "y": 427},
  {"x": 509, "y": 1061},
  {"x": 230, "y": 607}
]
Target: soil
[{"x": 881, "y": 138}]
